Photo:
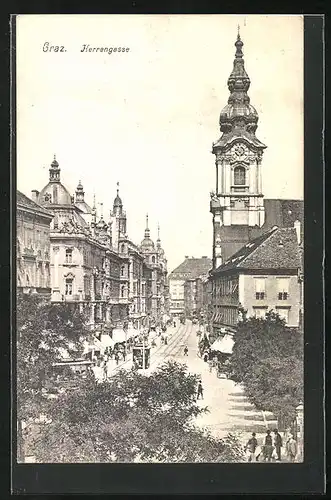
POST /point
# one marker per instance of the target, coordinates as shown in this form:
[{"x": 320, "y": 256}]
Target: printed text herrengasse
[{"x": 48, "y": 47}]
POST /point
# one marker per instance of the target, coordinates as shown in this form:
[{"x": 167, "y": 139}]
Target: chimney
[
  {"x": 204, "y": 257},
  {"x": 34, "y": 195},
  {"x": 297, "y": 227},
  {"x": 186, "y": 256}
]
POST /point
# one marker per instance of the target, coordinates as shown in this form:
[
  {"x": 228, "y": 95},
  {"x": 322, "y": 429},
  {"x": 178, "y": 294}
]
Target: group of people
[{"x": 271, "y": 448}]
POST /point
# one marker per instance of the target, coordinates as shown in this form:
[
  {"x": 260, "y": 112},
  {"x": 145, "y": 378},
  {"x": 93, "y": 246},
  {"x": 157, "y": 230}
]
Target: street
[{"x": 229, "y": 409}]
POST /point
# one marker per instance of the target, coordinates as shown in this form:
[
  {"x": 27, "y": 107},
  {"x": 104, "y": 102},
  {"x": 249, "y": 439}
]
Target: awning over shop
[
  {"x": 106, "y": 341},
  {"x": 223, "y": 345},
  {"x": 119, "y": 335}
]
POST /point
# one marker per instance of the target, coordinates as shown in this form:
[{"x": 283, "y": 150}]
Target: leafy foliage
[
  {"x": 131, "y": 418},
  {"x": 268, "y": 360},
  {"x": 44, "y": 332}
]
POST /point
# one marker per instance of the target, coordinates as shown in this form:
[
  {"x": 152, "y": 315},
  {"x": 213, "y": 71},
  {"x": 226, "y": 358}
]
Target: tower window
[
  {"x": 239, "y": 176},
  {"x": 68, "y": 256},
  {"x": 153, "y": 259},
  {"x": 68, "y": 288},
  {"x": 122, "y": 271},
  {"x": 122, "y": 248}
]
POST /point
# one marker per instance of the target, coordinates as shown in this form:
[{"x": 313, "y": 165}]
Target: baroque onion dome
[
  {"x": 117, "y": 205},
  {"x": 54, "y": 192},
  {"x": 238, "y": 117},
  {"x": 147, "y": 243},
  {"x": 80, "y": 200}
]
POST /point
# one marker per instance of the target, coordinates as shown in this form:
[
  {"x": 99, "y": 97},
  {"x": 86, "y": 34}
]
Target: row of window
[{"x": 263, "y": 295}]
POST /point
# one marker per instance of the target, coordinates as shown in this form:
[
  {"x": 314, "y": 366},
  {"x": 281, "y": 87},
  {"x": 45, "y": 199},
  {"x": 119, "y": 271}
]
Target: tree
[
  {"x": 267, "y": 359},
  {"x": 133, "y": 417},
  {"x": 44, "y": 332}
]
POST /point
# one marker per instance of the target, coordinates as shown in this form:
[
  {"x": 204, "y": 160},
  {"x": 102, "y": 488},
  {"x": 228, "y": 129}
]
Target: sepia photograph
[{"x": 160, "y": 238}]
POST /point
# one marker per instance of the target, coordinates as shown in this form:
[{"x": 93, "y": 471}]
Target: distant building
[
  {"x": 190, "y": 269},
  {"x": 33, "y": 246},
  {"x": 155, "y": 277},
  {"x": 195, "y": 296},
  {"x": 263, "y": 275}
]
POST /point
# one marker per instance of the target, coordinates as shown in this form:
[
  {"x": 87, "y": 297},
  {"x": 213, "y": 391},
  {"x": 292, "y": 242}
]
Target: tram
[{"x": 141, "y": 355}]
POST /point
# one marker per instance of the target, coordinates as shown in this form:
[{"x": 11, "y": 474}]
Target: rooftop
[
  {"x": 23, "y": 201},
  {"x": 275, "y": 249},
  {"x": 192, "y": 268}
]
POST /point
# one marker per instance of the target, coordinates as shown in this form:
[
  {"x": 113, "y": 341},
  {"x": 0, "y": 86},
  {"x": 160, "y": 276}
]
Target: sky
[{"x": 147, "y": 117}]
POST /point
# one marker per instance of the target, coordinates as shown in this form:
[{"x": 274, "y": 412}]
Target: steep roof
[
  {"x": 275, "y": 249},
  {"x": 191, "y": 268},
  {"x": 25, "y": 202}
]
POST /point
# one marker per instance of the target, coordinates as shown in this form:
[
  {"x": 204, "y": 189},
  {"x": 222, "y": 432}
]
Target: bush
[
  {"x": 134, "y": 418},
  {"x": 268, "y": 360}
]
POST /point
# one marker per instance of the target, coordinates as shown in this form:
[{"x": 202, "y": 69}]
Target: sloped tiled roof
[
  {"x": 23, "y": 201},
  {"x": 192, "y": 268},
  {"x": 275, "y": 249}
]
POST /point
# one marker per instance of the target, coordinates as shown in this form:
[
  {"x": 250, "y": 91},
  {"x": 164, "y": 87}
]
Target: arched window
[
  {"x": 153, "y": 259},
  {"x": 122, "y": 270},
  {"x": 122, "y": 290},
  {"x": 68, "y": 288},
  {"x": 239, "y": 176},
  {"x": 68, "y": 256}
]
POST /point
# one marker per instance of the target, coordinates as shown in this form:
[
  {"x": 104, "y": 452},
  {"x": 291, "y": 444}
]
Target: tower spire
[
  {"x": 158, "y": 241},
  {"x": 147, "y": 231}
]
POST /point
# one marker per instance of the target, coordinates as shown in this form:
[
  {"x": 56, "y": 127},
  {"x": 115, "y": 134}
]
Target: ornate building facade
[
  {"x": 93, "y": 263},
  {"x": 33, "y": 246}
]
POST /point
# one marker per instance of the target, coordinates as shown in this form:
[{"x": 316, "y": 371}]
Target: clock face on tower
[{"x": 240, "y": 152}]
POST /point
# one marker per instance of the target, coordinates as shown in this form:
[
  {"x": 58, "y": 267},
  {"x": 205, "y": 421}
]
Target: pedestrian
[
  {"x": 268, "y": 448},
  {"x": 200, "y": 390},
  {"x": 117, "y": 358},
  {"x": 210, "y": 363},
  {"x": 291, "y": 448},
  {"x": 174, "y": 324},
  {"x": 278, "y": 443},
  {"x": 251, "y": 447},
  {"x": 104, "y": 367},
  {"x": 166, "y": 340},
  {"x": 186, "y": 351}
]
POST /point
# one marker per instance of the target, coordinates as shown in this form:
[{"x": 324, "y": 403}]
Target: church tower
[
  {"x": 237, "y": 203},
  {"x": 119, "y": 225}
]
